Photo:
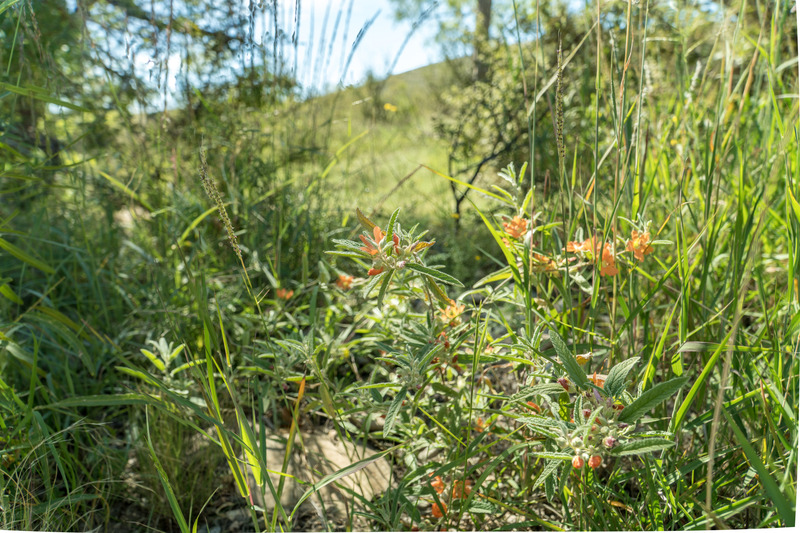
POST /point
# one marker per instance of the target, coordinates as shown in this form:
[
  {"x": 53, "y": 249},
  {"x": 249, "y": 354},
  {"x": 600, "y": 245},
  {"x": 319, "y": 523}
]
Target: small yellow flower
[{"x": 390, "y": 107}]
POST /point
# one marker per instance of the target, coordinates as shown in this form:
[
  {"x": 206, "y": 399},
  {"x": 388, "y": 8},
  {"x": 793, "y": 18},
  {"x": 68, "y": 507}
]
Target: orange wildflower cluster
[
  {"x": 372, "y": 247},
  {"x": 460, "y": 490},
  {"x": 608, "y": 266},
  {"x": 607, "y": 261},
  {"x": 437, "y": 484},
  {"x": 590, "y": 246},
  {"x": 451, "y": 314},
  {"x": 344, "y": 282},
  {"x": 639, "y": 244},
  {"x": 284, "y": 294},
  {"x": 594, "y": 461},
  {"x": 598, "y": 379},
  {"x": 542, "y": 263},
  {"x": 516, "y": 227}
]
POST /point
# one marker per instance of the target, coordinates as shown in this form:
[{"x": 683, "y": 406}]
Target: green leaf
[
  {"x": 24, "y": 257},
  {"x": 541, "y": 388},
  {"x": 195, "y": 222},
  {"x": 154, "y": 359},
  {"x": 550, "y": 469},
  {"x": 162, "y": 475},
  {"x": 352, "y": 469},
  {"x": 394, "y": 409},
  {"x": 124, "y": 188},
  {"x": 6, "y": 291},
  {"x": 176, "y": 352},
  {"x": 778, "y": 498},
  {"x": 440, "y": 276},
  {"x": 636, "y": 447},
  {"x": 469, "y": 186},
  {"x": 481, "y": 507},
  {"x": 570, "y": 364},
  {"x": 355, "y": 255},
  {"x": 651, "y": 398},
  {"x": 7, "y": 4},
  {"x": 385, "y": 285},
  {"x": 701, "y": 379},
  {"x": 390, "y": 227},
  {"x": 184, "y": 366},
  {"x": 437, "y": 291},
  {"x": 615, "y": 382},
  {"x": 41, "y": 94},
  {"x": 103, "y": 400},
  {"x": 557, "y": 456},
  {"x": 372, "y": 282},
  {"x": 548, "y": 430},
  {"x": 367, "y": 223}
]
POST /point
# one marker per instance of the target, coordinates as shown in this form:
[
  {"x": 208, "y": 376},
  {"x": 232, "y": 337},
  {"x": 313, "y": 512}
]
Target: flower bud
[
  {"x": 587, "y": 413},
  {"x": 622, "y": 425},
  {"x": 576, "y": 442},
  {"x": 595, "y": 461},
  {"x": 609, "y": 442},
  {"x": 577, "y": 462},
  {"x": 564, "y": 382}
]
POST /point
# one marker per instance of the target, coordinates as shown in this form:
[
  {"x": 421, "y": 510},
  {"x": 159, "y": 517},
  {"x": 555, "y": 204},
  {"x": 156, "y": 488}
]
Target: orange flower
[
  {"x": 444, "y": 340},
  {"x": 461, "y": 490},
  {"x": 438, "y": 512},
  {"x": 480, "y": 425},
  {"x": 607, "y": 264},
  {"x": 516, "y": 227},
  {"x": 542, "y": 263},
  {"x": 577, "y": 462},
  {"x": 450, "y": 314},
  {"x": 283, "y": 294},
  {"x": 372, "y": 247},
  {"x": 583, "y": 358},
  {"x": 374, "y": 271},
  {"x": 639, "y": 244},
  {"x": 595, "y": 461},
  {"x": 437, "y": 484},
  {"x": 590, "y": 245},
  {"x": 344, "y": 282},
  {"x": 598, "y": 379}
]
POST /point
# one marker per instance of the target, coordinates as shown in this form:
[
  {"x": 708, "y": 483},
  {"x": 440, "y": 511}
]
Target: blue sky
[
  {"x": 376, "y": 51},
  {"x": 323, "y": 48}
]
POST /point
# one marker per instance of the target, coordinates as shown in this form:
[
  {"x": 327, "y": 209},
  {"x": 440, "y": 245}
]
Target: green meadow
[{"x": 549, "y": 283}]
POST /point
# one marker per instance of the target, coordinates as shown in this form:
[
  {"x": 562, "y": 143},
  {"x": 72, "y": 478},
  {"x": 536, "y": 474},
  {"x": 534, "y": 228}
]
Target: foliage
[{"x": 611, "y": 335}]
